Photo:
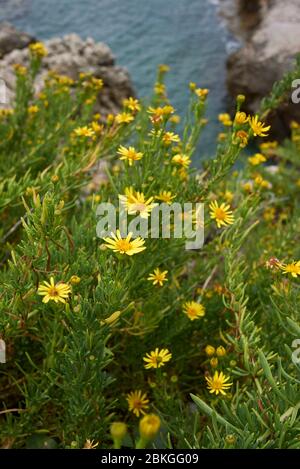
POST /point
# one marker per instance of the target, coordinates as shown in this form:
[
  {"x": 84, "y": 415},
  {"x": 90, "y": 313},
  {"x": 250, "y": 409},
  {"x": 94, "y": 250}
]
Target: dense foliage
[{"x": 220, "y": 321}]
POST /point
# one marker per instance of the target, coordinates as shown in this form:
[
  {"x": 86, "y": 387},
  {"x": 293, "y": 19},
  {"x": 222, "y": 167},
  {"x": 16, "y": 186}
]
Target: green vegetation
[{"x": 215, "y": 325}]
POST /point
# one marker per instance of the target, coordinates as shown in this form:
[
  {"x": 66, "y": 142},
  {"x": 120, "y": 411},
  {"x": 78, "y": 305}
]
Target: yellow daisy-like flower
[
  {"x": 169, "y": 137},
  {"x": 193, "y": 310},
  {"x": 159, "y": 88},
  {"x": 33, "y": 109},
  {"x": 161, "y": 111},
  {"x": 201, "y": 92},
  {"x": 165, "y": 196},
  {"x": 137, "y": 402},
  {"x": 132, "y": 104},
  {"x": 293, "y": 268},
  {"x": 158, "y": 113},
  {"x": 221, "y": 214},
  {"x": 210, "y": 350},
  {"x": 228, "y": 196},
  {"x": 259, "y": 128},
  {"x": 136, "y": 203},
  {"x": 84, "y": 131},
  {"x": 225, "y": 119},
  {"x": 218, "y": 383},
  {"x": 158, "y": 277},
  {"x": 257, "y": 159},
  {"x": 20, "y": 69},
  {"x": 240, "y": 138},
  {"x": 38, "y": 49},
  {"x": 129, "y": 154},
  {"x": 57, "y": 292},
  {"x": 124, "y": 245},
  {"x": 241, "y": 118},
  {"x": 182, "y": 160},
  {"x": 157, "y": 358},
  {"x": 124, "y": 118}
]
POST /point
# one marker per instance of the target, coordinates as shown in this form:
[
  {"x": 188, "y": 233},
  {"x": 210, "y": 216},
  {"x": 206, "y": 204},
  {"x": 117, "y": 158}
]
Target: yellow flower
[
  {"x": 149, "y": 426},
  {"x": 124, "y": 245},
  {"x": 221, "y": 137},
  {"x": 293, "y": 268},
  {"x": 241, "y": 118},
  {"x": 129, "y": 154},
  {"x": 124, "y": 118},
  {"x": 263, "y": 183},
  {"x": 241, "y": 138},
  {"x": 229, "y": 196},
  {"x": 221, "y": 352},
  {"x": 132, "y": 104},
  {"x": 169, "y": 137},
  {"x": 94, "y": 83},
  {"x": 165, "y": 196},
  {"x": 90, "y": 444},
  {"x": 38, "y": 49},
  {"x": 110, "y": 119},
  {"x": 248, "y": 186},
  {"x": 259, "y": 128},
  {"x": 58, "y": 292},
  {"x": 257, "y": 159},
  {"x": 268, "y": 145},
  {"x": 118, "y": 430},
  {"x": 269, "y": 214},
  {"x": 33, "y": 110},
  {"x": 163, "y": 68},
  {"x": 84, "y": 131},
  {"x": 159, "y": 88},
  {"x": 218, "y": 383},
  {"x": 75, "y": 279},
  {"x": 157, "y": 358},
  {"x": 210, "y": 350},
  {"x": 20, "y": 69},
  {"x": 201, "y": 92},
  {"x": 158, "y": 277},
  {"x": 225, "y": 119},
  {"x": 222, "y": 214},
  {"x": 214, "y": 362},
  {"x": 137, "y": 402},
  {"x": 158, "y": 113},
  {"x": 175, "y": 119},
  {"x": 135, "y": 202},
  {"x": 97, "y": 128},
  {"x": 181, "y": 160},
  {"x": 193, "y": 310}
]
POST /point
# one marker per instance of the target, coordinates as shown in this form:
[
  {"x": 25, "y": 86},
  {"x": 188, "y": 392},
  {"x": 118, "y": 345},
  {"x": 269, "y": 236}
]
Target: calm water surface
[{"x": 186, "y": 34}]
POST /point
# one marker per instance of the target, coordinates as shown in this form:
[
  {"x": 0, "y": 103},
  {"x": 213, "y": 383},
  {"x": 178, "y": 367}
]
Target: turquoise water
[{"x": 186, "y": 34}]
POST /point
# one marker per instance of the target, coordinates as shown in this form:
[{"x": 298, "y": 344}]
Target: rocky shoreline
[
  {"x": 269, "y": 31},
  {"x": 69, "y": 55}
]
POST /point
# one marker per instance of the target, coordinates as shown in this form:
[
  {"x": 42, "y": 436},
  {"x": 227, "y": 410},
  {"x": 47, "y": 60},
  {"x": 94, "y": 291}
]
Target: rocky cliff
[
  {"x": 69, "y": 55},
  {"x": 270, "y": 47}
]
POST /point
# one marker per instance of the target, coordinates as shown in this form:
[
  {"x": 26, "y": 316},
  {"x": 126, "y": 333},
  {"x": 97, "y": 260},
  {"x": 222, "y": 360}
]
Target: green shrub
[{"x": 75, "y": 346}]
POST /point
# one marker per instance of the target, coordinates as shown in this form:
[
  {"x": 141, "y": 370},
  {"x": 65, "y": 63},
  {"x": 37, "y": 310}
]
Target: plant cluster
[{"x": 139, "y": 342}]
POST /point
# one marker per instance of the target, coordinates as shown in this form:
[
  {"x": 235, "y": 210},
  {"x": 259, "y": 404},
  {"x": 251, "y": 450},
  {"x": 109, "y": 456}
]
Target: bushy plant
[{"x": 142, "y": 342}]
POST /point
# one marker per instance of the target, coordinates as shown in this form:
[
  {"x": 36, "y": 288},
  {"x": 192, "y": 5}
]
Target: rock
[
  {"x": 11, "y": 38},
  {"x": 267, "y": 54},
  {"x": 70, "y": 55}
]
